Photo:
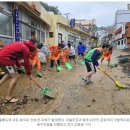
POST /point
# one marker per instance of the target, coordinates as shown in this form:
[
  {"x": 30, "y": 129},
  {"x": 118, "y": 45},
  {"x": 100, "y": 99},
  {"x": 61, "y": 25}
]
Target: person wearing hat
[{"x": 9, "y": 58}]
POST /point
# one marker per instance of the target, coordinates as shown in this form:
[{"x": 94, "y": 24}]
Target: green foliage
[{"x": 50, "y": 8}]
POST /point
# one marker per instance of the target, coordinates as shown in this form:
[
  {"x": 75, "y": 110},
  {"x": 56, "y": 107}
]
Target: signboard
[
  {"x": 72, "y": 23},
  {"x": 17, "y": 25}
]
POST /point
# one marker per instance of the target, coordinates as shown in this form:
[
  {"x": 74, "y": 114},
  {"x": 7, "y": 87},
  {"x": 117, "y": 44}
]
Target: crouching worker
[
  {"x": 55, "y": 55},
  {"x": 65, "y": 54},
  {"x": 91, "y": 60},
  {"x": 107, "y": 55},
  {"x": 36, "y": 61},
  {"x": 9, "y": 58}
]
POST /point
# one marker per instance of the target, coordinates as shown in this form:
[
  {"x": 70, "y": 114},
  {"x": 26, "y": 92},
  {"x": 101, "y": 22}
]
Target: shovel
[
  {"x": 82, "y": 62},
  {"x": 58, "y": 68},
  {"x": 68, "y": 65},
  {"x": 112, "y": 65},
  {"x": 117, "y": 83},
  {"x": 46, "y": 91}
]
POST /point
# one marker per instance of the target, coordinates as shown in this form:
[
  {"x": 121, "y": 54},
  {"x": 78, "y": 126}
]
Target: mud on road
[{"x": 72, "y": 95}]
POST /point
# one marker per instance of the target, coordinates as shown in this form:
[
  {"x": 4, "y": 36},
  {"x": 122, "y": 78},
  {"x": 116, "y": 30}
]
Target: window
[
  {"x": 6, "y": 40},
  {"x": 125, "y": 41},
  {"x": 59, "y": 38},
  {"x": 20, "y": 14},
  {"x": 38, "y": 24},
  {"x": 6, "y": 5},
  {"x": 26, "y": 35},
  {"x": 43, "y": 26},
  {"x": 31, "y": 25},
  {"x": 33, "y": 32},
  {"x": 72, "y": 39},
  {"x": 26, "y": 18},
  {"x": 38, "y": 35},
  {"x": 118, "y": 42},
  {"x": 122, "y": 42},
  {"x": 42, "y": 36},
  {"x": 35, "y": 23},
  {"x": 5, "y": 25},
  {"x": 50, "y": 34}
]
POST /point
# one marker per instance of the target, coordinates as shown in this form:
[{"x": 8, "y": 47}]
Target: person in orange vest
[
  {"x": 107, "y": 55},
  {"x": 35, "y": 61},
  {"x": 55, "y": 55},
  {"x": 91, "y": 60},
  {"x": 34, "y": 58},
  {"x": 65, "y": 54}
]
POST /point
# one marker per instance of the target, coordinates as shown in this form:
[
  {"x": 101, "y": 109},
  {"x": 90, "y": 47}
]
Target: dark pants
[
  {"x": 52, "y": 63},
  {"x": 90, "y": 66},
  {"x": 82, "y": 54}
]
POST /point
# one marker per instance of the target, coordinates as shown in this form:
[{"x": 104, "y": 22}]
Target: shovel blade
[
  {"x": 113, "y": 65},
  {"x": 59, "y": 68},
  {"x": 118, "y": 84},
  {"x": 82, "y": 62},
  {"x": 48, "y": 92},
  {"x": 68, "y": 66}
]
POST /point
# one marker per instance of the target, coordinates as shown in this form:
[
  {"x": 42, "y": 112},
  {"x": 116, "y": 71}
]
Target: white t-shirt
[{"x": 71, "y": 51}]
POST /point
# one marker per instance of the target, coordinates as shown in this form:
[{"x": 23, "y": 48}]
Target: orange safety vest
[
  {"x": 107, "y": 55},
  {"x": 55, "y": 52}
]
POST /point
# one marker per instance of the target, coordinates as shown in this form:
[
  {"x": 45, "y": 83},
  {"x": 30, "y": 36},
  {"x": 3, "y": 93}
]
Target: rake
[{"x": 117, "y": 83}]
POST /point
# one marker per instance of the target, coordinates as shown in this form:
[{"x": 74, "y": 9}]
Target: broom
[{"x": 117, "y": 83}]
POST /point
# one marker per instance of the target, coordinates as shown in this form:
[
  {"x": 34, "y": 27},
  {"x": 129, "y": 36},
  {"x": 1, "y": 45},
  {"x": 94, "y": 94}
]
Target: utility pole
[{"x": 67, "y": 15}]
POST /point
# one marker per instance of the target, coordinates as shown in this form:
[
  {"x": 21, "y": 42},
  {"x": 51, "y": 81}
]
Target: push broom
[{"x": 117, "y": 83}]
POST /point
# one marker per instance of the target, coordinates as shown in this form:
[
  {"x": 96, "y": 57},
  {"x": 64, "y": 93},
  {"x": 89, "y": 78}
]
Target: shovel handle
[
  {"x": 56, "y": 61},
  {"x": 106, "y": 74},
  {"x": 36, "y": 83}
]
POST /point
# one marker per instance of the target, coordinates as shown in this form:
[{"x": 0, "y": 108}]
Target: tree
[{"x": 50, "y": 8}]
